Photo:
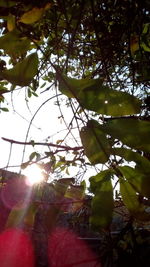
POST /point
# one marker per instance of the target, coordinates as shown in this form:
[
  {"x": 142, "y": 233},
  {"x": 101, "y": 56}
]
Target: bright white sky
[
  {"x": 13, "y": 126},
  {"x": 46, "y": 123}
]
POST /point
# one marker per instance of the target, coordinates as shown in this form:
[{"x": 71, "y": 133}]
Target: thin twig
[{"x": 42, "y": 144}]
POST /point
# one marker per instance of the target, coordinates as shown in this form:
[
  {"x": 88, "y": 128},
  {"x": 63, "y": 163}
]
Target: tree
[{"x": 94, "y": 57}]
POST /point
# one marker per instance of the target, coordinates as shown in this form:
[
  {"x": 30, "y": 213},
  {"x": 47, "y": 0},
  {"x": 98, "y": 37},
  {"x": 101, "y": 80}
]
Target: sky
[
  {"x": 47, "y": 123},
  {"x": 15, "y": 123}
]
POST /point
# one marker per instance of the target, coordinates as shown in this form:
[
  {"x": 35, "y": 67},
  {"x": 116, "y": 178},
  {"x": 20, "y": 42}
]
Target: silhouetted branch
[{"x": 42, "y": 144}]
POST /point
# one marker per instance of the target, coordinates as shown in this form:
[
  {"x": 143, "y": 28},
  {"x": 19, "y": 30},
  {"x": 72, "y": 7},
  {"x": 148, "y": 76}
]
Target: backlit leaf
[
  {"x": 30, "y": 215},
  {"x": 3, "y": 90},
  {"x": 4, "y": 3},
  {"x": 75, "y": 191},
  {"x": 34, "y": 155},
  {"x": 145, "y": 38},
  {"x": 16, "y": 216},
  {"x": 145, "y": 46},
  {"x": 25, "y": 165},
  {"x": 13, "y": 44},
  {"x": 23, "y": 72},
  {"x": 4, "y": 109},
  {"x": 10, "y": 23},
  {"x": 20, "y": 215},
  {"x": 102, "y": 205},
  {"x": 93, "y": 95},
  {"x": 142, "y": 163},
  {"x": 95, "y": 143},
  {"x": 132, "y": 132},
  {"x": 131, "y": 201},
  {"x": 134, "y": 44},
  {"x": 72, "y": 87},
  {"x": 62, "y": 185},
  {"x": 32, "y": 15},
  {"x": 139, "y": 180},
  {"x": 97, "y": 180}
]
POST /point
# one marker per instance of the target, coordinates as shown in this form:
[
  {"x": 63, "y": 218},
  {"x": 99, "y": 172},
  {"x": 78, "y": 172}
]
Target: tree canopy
[{"x": 94, "y": 57}]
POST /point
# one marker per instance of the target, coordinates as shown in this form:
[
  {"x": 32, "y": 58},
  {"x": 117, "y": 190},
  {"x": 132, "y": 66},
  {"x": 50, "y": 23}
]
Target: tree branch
[{"x": 42, "y": 144}]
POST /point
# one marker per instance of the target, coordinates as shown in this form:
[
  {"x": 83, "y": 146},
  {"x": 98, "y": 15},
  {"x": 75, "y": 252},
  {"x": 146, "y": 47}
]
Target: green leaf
[
  {"x": 139, "y": 181},
  {"x": 21, "y": 214},
  {"x": 131, "y": 201},
  {"x": 92, "y": 95},
  {"x": 32, "y": 15},
  {"x": 95, "y": 143},
  {"x": 132, "y": 132},
  {"x": 102, "y": 205},
  {"x": 145, "y": 38},
  {"x": 142, "y": 163},
  {"x": 76, "y": 192},
  {"x": 67, "y": 171},
  {"x": 29, "y": 93},
  {"x": 25, "y": 165},
  {"x": 72, "y": 87},
  {"x": 7, "y": 3},
  {"x": 97, "y": 180},
  {"x": 23, "y": 72},
  {"x": 34, "y": 155},
  {"x": 62, "y": 185},
  {"x": 16, "y": 216},
  {"x": 4, "y": 109},
  {"x": 145, "y": 47},
  {"x": 11, "y": 22},
  {"x": 30, "y": 215},
  {"x": 134, "y": 44},
  {"x": 146, "y": 28},
  {"x": 14, "y": 44},
  {"x": 3, "y": 90},
  {"x": 109, "y": 102}
]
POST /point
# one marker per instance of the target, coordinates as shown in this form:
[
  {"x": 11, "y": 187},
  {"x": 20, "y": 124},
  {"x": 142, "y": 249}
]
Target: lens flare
[
  {"x": 34, "y": 175},
  {"x": 16, "y": 249},
  {"x": 15, "y": 191},
  {"x": 66, "y": 249}
]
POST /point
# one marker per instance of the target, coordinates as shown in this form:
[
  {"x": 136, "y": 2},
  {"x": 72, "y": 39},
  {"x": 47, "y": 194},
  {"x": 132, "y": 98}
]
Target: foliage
[{"x": 96, "y": 53}]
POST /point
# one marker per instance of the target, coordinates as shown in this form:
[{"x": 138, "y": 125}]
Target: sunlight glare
[{"x": 34, "y": 175}]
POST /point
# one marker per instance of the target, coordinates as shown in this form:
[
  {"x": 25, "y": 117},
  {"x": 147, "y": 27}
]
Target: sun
[{"x": 34, "y": 174}]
